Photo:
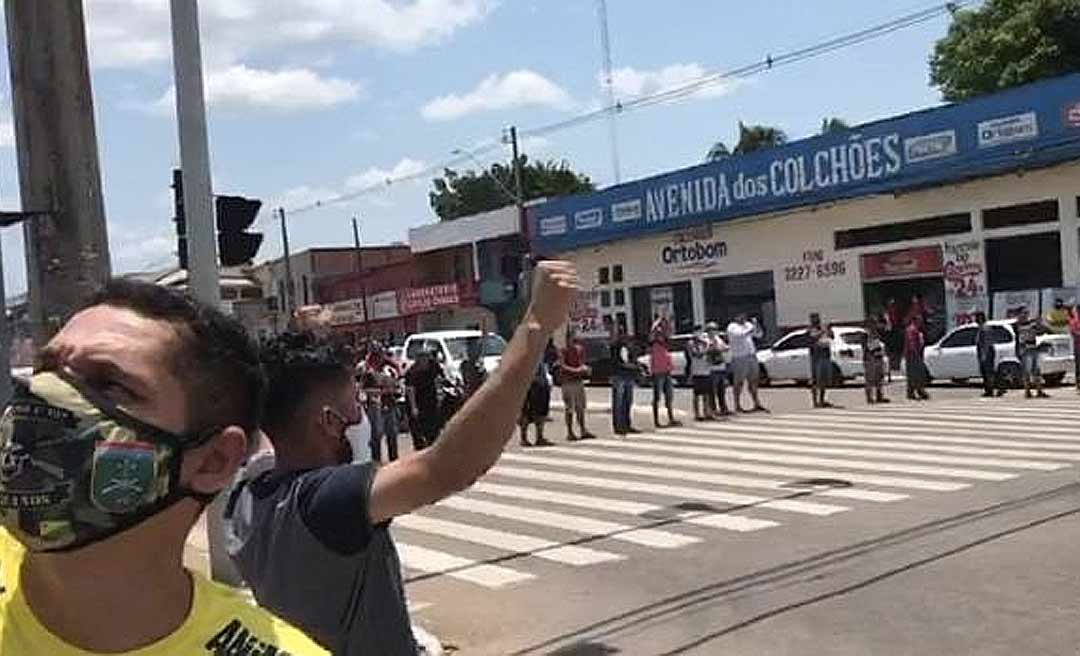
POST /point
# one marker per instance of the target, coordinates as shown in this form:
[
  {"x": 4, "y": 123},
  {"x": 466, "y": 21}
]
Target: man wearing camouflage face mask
[{"x": 139, "y": 413}]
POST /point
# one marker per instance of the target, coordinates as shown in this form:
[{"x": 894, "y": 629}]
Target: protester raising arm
[{"x": 473, "y": 440}]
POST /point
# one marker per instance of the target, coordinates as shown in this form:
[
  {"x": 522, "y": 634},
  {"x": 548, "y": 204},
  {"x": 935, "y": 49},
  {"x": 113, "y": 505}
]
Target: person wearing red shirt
[
  {"x": 661, "y": 367},
  {"x": 914, "y": 367},
  {"x": 1074, "y": 330},
  {"x": 572, "y": 374}
]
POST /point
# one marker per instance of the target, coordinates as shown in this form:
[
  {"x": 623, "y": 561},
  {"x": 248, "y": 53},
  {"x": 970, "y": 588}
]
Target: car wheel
[
  {"x": 1053, "y": 380},
  {"x": 1010, "y": 375},
  {"x": 763, "y": 377}
]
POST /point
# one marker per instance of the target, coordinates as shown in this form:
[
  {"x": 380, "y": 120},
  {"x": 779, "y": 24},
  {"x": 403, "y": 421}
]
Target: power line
[{"x": 670, "y": 94}]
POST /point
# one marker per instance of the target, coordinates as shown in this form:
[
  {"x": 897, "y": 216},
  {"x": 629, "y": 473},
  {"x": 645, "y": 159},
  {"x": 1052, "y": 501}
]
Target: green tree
[
  {"x": 833, "y": 124},
  {"x": 1004, "y": 43},
  {"x": 751, "y": 138},
  {"x": 455, "y": 194}
]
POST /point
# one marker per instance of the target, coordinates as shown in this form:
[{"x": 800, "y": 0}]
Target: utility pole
[
  {"x": 289, "y": 304},
  {"x": 194, "y": 153},
  {"x": 67, "y": 251},
  {"x": 525, "y": 279},
  {"x": 609, "y": 88},
  {"x": 360, "y": 272}
]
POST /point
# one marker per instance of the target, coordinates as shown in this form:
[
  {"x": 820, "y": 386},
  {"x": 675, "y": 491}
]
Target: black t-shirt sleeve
[{"x": 333, "y": 503}]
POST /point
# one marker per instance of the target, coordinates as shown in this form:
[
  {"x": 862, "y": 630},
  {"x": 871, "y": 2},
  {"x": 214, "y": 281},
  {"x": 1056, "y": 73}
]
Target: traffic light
[
  {"x": 179, "y": 218},
  {"x": 235, "y": 214}
]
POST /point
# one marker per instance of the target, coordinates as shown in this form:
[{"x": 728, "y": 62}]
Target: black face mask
[{"x": 75, "y": 468}]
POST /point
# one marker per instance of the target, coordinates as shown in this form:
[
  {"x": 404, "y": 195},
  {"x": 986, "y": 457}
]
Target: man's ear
[{"x": 211, "y": 467}]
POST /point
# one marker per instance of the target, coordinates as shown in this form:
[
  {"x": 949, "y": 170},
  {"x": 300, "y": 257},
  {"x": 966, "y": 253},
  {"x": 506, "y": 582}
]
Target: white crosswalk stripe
[{"x": 597, "y": 503}]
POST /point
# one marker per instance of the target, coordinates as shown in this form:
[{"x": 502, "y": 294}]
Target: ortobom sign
[{"x": 1026, "y": 127}]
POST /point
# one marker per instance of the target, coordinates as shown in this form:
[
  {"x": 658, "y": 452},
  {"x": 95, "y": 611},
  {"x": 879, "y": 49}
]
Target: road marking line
[
  {"x": 430, "y": 561},
  {"x": 514, "y": 543},
  {"x": 712, "y": 520},
  {"x": 573, "y": 523},
  {"x": 792, "y": 472},
  {"x": 897, "y": 425},
  {"x": 929, "y": 416},
  {"x": 866, "y": 438},
  {"x": 727, "y": 498},
  {"x": 659, "y": 489},
  {"x": 723, "y": 455},
  {"x": 728, "y": 439}
]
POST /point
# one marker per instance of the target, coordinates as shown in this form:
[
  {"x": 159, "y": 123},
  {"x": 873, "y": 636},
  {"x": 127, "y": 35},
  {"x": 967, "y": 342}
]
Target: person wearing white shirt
[{"x": 741, "y": 333}]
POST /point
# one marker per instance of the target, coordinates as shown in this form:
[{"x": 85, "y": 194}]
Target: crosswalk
[{"x": 602, "y": 503}]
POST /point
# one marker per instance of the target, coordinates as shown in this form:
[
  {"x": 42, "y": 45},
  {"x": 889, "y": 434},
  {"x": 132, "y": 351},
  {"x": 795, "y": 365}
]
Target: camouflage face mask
[{"x": 75, "y": 468}]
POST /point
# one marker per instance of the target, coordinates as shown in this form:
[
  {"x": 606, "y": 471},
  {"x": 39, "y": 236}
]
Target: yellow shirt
[{"x": 221, "y": 622}]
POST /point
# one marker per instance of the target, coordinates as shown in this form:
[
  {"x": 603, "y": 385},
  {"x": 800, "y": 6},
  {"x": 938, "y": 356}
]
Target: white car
[
  {"x": 453, "y": 346},
  {"x": 789, "y": 357},
  {"x": 953, "y": 357}
]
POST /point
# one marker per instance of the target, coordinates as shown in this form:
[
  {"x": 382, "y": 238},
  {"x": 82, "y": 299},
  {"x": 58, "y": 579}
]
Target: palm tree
[{"x": 758, "y": 137}]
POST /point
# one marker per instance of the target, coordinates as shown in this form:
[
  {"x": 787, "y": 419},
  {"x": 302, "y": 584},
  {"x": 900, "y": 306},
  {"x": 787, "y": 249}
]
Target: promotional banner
[
  {"x": 1006, "y": 304},
  {"x": 906, "y": 263},
  {"x": 585, "y": 316},
  {"x": 425, "y": 299},
  {"x": 965, "y": 282},
  {"x": 383, "y": 305},
  {"x": 694, "y": 251},
  {"x": 1029, "y": 126}
]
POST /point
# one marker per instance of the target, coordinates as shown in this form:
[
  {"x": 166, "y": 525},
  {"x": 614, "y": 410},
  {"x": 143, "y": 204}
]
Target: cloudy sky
[{"x": 311, "y": 99}]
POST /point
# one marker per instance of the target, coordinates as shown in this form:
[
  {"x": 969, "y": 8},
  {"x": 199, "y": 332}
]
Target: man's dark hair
[
  {"x": 216, "y": 361},
  {"x": 299, "y": 365}
]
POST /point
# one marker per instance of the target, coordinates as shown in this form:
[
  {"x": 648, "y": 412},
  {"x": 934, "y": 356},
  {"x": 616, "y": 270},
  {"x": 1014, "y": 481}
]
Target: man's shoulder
[{"x": 233, "y": 624}]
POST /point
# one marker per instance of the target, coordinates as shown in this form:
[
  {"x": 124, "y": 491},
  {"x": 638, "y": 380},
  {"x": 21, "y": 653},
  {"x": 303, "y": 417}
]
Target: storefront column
[
  {"x": 1070, "y": 241},
  {"x": 697, "y": 293}
]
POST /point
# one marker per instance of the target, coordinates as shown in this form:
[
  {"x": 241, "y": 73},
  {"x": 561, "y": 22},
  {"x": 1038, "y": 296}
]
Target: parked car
[
  {"x": 953, "y": 357},
  {"x": 453, "y": 347},
  {"x": 680, "y": 367},
  {"x": 789, "y": 357}
]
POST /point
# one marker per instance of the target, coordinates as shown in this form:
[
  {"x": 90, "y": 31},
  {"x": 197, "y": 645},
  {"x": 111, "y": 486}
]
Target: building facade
[{"x": 972, "y": 206}]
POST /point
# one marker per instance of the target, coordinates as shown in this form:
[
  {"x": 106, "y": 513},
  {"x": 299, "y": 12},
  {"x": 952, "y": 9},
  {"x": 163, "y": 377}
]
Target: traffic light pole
[
  {"x": 523, "y": 219},
  {"x": 67, "y": 251},
  {"x": 194, "y": 153},
  {"x": 289, "y": 305},
  {"x": 360, "y": 272}
]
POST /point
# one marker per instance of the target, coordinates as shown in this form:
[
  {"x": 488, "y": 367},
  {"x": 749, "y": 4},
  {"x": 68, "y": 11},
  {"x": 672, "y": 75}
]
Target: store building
[{"x": 971, "y": 206}]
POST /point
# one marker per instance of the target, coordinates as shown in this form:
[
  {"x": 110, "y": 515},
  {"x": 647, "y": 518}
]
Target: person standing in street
[
  {"x": 537, "y": 407},
  {"x": 717, "y": 352},
  {"x": 697, "y": 354},
  {"x": 914, "y": 366},
  {"x": 987, "y": 355},
  {"x": 1074, "y": 330},
  {"x": 820, "y": 360},
  {"x": 741, "y": 333},
  {"x": 379, "y": 382},
  {"x": 1028, "y": 330},
  {"x": 660, "y": 365},
  {"x": 422, "y": 382},
  {"x": 875, "y": 362},
  {"x": 572, "y": 374},
  {"x": 312, "y": 535},
  {"x": 623, "y": 372}
]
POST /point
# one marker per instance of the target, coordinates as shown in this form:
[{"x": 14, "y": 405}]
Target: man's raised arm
[{"x": 474, "y": 438}]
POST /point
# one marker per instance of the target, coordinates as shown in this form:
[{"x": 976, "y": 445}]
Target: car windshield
[{"x": 486, "y": 346}]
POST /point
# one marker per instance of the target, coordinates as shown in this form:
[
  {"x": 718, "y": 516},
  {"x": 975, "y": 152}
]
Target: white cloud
[
  {"x": 7, "y": 132},
  {"x": 284, "y": 90},
  {"x": 134, "y": 250},
  {"x": 375, "y": 176},
  {"x": 515, "y": 89},
  {"x": 136, "y": 33},
  {"x": 630, "y": 83},
  {"x": 301, "y": 196}
]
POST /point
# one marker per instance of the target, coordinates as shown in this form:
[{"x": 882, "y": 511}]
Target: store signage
[
  {"x": 585, "y": 315},
  {"x": 1008, "y": 129},
  {"x": 916, "y": 150},
  {"x": 383, "y": 305},
  {"x": 693, "y": 250},
  {"x": 907, "y": 263},
  {"x": 426, "y": 299},
  {"x": 930, "y": 146},
  {"x": 965, "y": 282},
  {"x": 1071, "y": 114},
  {"x": 347, "y": 312}
]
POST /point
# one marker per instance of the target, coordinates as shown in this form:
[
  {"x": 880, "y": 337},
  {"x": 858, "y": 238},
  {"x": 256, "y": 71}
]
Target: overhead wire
[{"x": 689, "y": 88}]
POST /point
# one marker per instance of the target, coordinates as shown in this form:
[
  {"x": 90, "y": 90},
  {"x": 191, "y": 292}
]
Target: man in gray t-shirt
[{"x": 309, "y": 533}]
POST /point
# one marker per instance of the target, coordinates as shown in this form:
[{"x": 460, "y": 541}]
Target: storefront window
[
  {"x": 1027, "y": 262},
  {"x": 752, "y": 293},
  {"x": 1027, "y": 213},
  {"x": 935, "y": 226},
  {"x": 616, "y": 273},
  {"x": 620, "y": 321},
  {"x": 603, "y": 276},
  {"x": 620, "y": 297},
  {"x": 672, "y": 300},
  {"x": 605, "y": 298}
]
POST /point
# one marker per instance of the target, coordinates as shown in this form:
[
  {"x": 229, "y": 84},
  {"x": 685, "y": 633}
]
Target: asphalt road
[{"x": 947, "y": 527}]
